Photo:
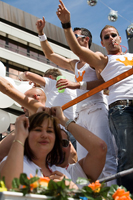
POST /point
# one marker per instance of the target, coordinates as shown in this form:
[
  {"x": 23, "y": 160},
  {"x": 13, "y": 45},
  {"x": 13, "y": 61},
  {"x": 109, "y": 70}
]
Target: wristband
[
  {"x": 66, "y": 25},
  {"x": 68, "y": 122},
  {"x": 42, "y": 37},
  {"x": 83, "y": 85},
  {"x": 19, "y": 142}
]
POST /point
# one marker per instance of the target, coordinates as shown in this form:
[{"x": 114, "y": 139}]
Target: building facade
[{"x": 20, "y": 48}]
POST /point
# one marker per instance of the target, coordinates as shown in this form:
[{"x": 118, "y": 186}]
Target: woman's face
[{"x": 42, "y": 138}]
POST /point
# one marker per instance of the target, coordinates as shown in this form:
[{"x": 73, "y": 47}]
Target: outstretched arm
[
  {"x": 48, "y": 51},
  {"x": 35, "y": 78},
  {"x": 15, "y": 160},
  {"x": 29, "y": 103},
  {"x": 97, "y": 60},
  {"x": 94, "y": 162},
  {"x": 64, "y": 83},
  {"x": 5, "y": 145}
]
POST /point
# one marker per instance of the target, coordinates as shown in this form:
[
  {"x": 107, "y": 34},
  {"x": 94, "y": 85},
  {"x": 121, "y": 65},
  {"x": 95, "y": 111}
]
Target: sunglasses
[
  {"x": 65, "y": 143},
  {"x": 77, "y": 36},
  {"x": 106, "y": 37}
]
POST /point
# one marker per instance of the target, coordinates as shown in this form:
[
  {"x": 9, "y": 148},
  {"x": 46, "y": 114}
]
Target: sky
[{"x": 93, "y": 18}]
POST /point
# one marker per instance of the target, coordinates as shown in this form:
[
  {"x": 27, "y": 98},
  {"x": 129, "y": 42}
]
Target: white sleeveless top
[
  {"x": 117, "y": 64},
  {"x": 86, "y": 73}
]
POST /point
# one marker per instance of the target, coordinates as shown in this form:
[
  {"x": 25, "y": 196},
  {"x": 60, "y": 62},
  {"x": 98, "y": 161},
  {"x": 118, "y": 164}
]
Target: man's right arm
[
  {"x": 95, "y": 59},
  {"x": 48, "y": 51}
]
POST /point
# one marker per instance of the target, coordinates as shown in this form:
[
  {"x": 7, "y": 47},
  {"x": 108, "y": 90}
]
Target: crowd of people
[{"x": 87, "y": 140}]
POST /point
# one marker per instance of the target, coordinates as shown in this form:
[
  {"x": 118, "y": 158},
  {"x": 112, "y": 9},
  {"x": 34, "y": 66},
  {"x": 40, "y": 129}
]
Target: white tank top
[
  {"x": 86, "y": 73},
  {"x": 117, "y": 64}
]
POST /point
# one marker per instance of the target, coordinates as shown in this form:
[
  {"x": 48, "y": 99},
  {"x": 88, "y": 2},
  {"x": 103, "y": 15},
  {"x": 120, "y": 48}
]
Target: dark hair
[
  {"x": 56, "y": 154},
  {"x": 105, "y": 27},
  {"x": 54, "y": 72},
  {"x": 66, "y": 132},
  {"x": 85, "y": 32}
]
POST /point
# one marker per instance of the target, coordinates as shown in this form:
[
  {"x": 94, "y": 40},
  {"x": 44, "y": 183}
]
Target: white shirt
[
  {"x": 118, "y": 64},
  {"x": 54, "y": 98}
]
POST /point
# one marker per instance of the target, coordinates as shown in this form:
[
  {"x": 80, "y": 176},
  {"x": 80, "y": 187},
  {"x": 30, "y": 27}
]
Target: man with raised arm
[
  {"x": 120, "y": 94},
  {"x": 90, "y": 110}
]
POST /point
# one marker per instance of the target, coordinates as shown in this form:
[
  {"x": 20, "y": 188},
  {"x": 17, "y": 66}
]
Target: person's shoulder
[
  {"x": 100, "y": 54},
  {"x": 49, "y": 81}
]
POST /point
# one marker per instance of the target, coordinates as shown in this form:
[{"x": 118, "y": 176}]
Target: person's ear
[
  {"x": 50, "y": 76},
  {"x": 120, "y": 39},
  {"x": 102, "y": 43},
  {"x": 87, "y": 39}
]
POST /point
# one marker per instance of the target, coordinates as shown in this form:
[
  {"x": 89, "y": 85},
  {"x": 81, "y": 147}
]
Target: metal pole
[{"x": 115, "y": 176}]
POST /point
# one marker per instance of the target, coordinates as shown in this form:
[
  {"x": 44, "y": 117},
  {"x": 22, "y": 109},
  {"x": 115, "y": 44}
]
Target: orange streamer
[{"x": 98, "y": 89}]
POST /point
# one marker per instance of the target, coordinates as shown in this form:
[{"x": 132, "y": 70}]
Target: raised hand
[
  {"x": 40, "y": 24},
  {"x": 64, "y": 83},
  {"x": 21, "y": 128},
  {"x": 62, "y": 13},
  {"x": 44, "y": 109},
  {"x": 57, "y": 112}
]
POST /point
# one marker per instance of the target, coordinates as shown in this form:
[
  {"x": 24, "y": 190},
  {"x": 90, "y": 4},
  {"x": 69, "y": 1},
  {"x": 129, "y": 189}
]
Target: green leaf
[
  {"x": 112, "y": 190},
  {"x": 23, "y": 179},
  {"x": 82, "y": 181},
  {"x": 25, "y": 190},
  {"x": 33, "y": 179},
  {"x": 15, "y": 183},
  {"x": 88, "y": 189},
  {"x": 52, "y": 185},
  {"x": 36, "y": 171}
]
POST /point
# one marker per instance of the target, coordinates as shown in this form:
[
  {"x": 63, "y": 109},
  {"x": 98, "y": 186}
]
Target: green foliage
[{"x": 61, "y": 191}]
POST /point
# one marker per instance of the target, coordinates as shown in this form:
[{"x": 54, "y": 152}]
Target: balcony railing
[{"x": 31, "y": 54}]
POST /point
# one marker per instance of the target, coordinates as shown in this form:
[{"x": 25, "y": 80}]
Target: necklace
[{"x": 50, "y": 170}]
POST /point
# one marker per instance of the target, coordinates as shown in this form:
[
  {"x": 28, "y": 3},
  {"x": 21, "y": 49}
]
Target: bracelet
[
  {"x": 66, "y": 25},
  {"x": 83, "y": 85},
  {"x": 42, "y": 37},
  {"x": 19, "y": 142},
  {"x": 68, "y": 122}
]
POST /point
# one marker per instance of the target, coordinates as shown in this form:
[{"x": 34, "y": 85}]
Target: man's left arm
[{"x": 8, "y": 89}]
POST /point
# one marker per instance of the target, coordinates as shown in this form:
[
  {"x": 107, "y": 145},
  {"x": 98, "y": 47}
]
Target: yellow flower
[
  {"x": 95, "y": 186},
  {"x": 2, "y": 186},
  {"x": 120, "y": 194}
]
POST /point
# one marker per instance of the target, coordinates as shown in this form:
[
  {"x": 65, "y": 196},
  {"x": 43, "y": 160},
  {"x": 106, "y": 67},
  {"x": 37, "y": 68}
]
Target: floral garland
[{"x": 58, "y": 190}]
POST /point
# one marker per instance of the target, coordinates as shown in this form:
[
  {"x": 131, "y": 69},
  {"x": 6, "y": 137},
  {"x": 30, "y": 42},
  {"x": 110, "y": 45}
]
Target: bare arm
[
  {"x": 35, "y": 78},
  {"x": 5, "y": 145},
  {"x": 97, "y": 60},
  {"x": 29, "y": 103},
  {"x": 93, "y": 163},
  {"x": 48, "y": 51},
  {"x": 15, "y": 156},
  {"x": 64, "y": 83}
]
